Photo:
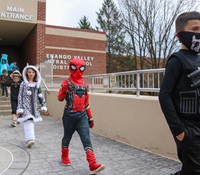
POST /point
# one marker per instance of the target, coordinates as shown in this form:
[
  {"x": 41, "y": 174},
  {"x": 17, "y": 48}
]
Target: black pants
[
  {"x": 4, "y": 90},
  {"x": 189, "y": 149},
  {"x": 14, "y": 104}
]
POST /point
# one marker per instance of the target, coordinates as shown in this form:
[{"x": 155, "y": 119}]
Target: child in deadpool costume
[{"x": 77, "y": 114}]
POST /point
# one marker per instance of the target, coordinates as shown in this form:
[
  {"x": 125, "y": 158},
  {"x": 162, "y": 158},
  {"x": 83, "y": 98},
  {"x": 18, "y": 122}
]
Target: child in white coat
[{"x": 29, "y": 93}]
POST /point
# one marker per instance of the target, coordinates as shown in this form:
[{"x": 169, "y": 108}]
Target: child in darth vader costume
[
  {"x": 179, "y": 95},
  {"x": 77, "y": 114}
]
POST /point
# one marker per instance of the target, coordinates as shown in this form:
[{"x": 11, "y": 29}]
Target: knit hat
[{"x": 16, "y": 73}]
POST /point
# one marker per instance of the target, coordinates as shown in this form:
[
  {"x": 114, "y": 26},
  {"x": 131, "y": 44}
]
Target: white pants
[{"x": 29, "y": 131}]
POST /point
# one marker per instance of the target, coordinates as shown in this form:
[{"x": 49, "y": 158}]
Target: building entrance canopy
[
  {"x": 17, "y": 19},
  {"x": 13, "y": 33}
]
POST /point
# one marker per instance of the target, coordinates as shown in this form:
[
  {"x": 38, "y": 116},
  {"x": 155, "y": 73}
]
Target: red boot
[
  {"x": 64, "y": 157},
  {"x": 94, "y": 167}
]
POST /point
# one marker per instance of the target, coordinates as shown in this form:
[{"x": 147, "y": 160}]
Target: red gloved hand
[
  {"x": 64, "y": 88},
  {"x": 91, "y": 122}
]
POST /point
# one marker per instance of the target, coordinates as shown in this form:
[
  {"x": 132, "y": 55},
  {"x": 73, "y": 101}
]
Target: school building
[{"x": 25, "y": 38}]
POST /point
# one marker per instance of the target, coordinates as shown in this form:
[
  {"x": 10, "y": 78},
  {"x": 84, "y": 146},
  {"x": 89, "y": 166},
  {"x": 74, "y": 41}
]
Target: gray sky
[{"x": 68, "y": 12}]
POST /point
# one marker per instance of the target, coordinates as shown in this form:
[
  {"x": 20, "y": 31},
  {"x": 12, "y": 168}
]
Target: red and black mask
[{"x": 76, "y": 68}]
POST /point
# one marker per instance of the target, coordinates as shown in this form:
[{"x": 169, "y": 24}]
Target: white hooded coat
[{"x": 29, "y": 93}]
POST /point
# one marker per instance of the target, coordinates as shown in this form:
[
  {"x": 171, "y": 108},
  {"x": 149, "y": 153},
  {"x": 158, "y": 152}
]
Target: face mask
[
  {"x": 191, "y": 40},
  {"x": 76, "y": 68}
]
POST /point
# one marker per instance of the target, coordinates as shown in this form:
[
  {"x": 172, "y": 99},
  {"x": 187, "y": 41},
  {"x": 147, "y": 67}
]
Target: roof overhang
[
  {"x": 13, "y": 33},
  {"x": 17, "y": 19}
]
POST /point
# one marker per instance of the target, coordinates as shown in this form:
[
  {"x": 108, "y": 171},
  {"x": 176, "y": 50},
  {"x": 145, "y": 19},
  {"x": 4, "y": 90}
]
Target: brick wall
[
  {"x": 97, "y": 66},
  {"x": 40, "y": 55},
  {"x": 67, "y": 45},
  {"x": 41, "y": 11},
  {"x": 41, "y": 32},
  {"x": 71, "y": 42}
]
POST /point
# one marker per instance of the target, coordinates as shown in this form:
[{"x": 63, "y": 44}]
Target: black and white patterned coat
[{"x": 29, "y": 95}]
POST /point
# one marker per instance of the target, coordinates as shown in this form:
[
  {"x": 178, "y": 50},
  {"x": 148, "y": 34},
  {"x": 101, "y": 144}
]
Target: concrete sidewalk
[
  {"x": 6, "y": 159},
  {"x": 44, "y": 157}
]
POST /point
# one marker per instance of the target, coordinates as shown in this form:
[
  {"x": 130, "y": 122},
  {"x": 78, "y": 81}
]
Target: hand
[
  {"x": 64, "y": 88},
  {"x": 91, "y": 122},
  {"x": 181, "y": 136},
  {"x": 20, "y": 114},
  {"x": 44, "y": 109}
]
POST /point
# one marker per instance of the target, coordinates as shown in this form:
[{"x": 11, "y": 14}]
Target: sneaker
[
  {"x": 30, "y": 143},
  {"x": 13, "y": 124}
]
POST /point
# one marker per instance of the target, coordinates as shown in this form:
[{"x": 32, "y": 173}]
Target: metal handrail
[
  {"x": 137, "y": 81},
  {"x": 147, "y": 80},
  {"x": 46, "y": 87}
]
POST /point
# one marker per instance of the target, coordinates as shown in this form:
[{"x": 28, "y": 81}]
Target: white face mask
[{"x": 191, "y": 40}]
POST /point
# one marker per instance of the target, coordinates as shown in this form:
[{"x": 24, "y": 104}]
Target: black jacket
[
  {"x": 175, "y": 86},
  {"x": 14, "y": 89}
]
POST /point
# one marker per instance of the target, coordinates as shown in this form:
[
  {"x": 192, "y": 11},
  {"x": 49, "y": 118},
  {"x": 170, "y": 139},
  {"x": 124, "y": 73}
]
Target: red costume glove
[
  {"x": 63, "y": 90},
  {"x": 91, "y": 122},
  {"x": 90, "y": 118}
]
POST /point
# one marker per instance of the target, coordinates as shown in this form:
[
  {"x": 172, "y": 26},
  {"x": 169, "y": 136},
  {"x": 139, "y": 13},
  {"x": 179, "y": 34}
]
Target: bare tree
[{"x": 150, "y": 25}]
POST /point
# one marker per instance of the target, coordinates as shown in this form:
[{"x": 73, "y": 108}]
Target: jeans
[{"x": 76, "y": 121}]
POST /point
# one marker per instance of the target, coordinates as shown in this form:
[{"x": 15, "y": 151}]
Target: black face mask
[{"x": 191, "y": 40}]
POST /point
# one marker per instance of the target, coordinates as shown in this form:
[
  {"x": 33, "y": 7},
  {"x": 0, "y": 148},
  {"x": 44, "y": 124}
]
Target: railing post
[
  {"x": 51, "y": 72},
  {"x": 138, "y": 84},
  {"x": 92, "y": 86}
]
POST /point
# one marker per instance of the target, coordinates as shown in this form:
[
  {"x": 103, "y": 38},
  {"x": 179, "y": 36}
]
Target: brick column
[{"x": 40, "y": 55}]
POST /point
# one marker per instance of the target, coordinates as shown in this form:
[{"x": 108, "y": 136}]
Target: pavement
[{"x": 44, "y": 156}]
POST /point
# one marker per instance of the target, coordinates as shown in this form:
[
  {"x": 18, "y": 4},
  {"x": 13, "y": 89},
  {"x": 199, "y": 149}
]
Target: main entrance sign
[
  {"x": 19, "y": 10},
  {"x": 16, "y": 13}
]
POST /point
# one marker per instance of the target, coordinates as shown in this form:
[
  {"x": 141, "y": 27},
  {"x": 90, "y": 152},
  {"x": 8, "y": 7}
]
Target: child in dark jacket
[
  {"x": 3, "y": 79},
  {"x": 180, "y": 93},
  {"x": 14, "y": 85}
]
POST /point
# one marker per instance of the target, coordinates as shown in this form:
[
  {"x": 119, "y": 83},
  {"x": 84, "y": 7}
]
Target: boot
[
  {"x": 94, "y": 167},
  {"x": 64, "y": 158}
]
